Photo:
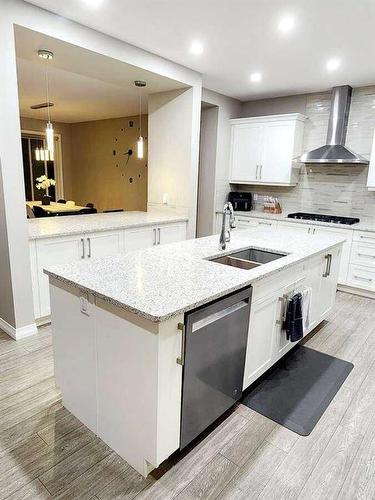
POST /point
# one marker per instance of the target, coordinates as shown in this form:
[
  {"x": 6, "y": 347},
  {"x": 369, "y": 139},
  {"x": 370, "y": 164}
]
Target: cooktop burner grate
[{"x": 336, "y": 219}]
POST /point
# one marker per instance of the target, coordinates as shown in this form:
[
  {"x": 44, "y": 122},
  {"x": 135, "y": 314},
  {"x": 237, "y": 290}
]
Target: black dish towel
[{"x": 293, "y": 324}]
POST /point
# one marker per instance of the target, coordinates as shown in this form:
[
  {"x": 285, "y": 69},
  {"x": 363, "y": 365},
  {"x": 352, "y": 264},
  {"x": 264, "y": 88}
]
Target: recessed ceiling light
[
  {"x": 333, "y": 64},
  {"x": 286, "y": 24},
  {"x": 196, "y": 47},
  {"x": 255, "y": 77}
]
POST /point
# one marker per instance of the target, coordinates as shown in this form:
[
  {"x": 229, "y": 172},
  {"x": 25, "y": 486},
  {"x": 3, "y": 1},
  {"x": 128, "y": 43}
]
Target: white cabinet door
[
  {"x": 361, "y": 277},
  {"x": 140, "y": 237},
  {"x": 246, "y": 152},
  {"x": 52, "y": 251},
  {"x": 104, "y": 243},
  {"x": 330, "y": 265},
  {"x": 74, "y": 351},
  {"x": 277, "y": 152},
  {"x": 314, "y": 280},
  {"x": 259, "y": 352},
  {"x": 345, "y": 255},
  {"x": 171, "y": 233}
]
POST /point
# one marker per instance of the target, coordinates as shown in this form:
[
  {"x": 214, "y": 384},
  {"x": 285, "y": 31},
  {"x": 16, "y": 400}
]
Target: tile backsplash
[{"x": 331, "y": 189}]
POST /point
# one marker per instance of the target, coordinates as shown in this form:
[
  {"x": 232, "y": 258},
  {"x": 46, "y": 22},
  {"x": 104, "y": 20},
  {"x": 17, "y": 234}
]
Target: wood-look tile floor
[{"x": 45, "y": 452}]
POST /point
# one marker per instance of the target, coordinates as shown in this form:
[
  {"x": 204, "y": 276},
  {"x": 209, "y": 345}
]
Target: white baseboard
[
  {"x": 356, "y": 291},
  {"x": 18, "y": 333}
]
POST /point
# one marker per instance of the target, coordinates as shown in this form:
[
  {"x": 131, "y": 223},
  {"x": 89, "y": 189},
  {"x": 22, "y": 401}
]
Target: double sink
[{"x": 248, "y": 258}]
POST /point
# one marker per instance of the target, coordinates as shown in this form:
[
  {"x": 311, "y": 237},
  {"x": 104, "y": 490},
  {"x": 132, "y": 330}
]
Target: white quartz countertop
[
  {"x": 48, "y": 227},
  {"x": 162, "y": 282},
  {"x": 366, "y": 224}
]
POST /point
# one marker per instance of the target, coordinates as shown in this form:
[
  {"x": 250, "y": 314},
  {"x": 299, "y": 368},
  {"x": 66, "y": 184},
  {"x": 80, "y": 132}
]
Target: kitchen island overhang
[{"x": 117, "y": 339}]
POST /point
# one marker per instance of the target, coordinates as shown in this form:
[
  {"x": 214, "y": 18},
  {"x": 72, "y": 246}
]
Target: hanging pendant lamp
[
  {"x": 140, "y": 143},
  {"x": 48, "y": 154}
]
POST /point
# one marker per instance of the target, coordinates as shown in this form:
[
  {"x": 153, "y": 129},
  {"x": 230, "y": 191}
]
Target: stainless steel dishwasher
[{"x": 214, "y": 361}]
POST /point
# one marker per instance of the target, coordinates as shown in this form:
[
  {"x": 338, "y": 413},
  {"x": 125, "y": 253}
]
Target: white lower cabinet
[
  {"x": 345, "y": 257},
  {"x": 260, "y": 340},
  {"x": 103, "y": 243},
  {"x": 267, "y": 341},
  {"x": 146, "y": 237},
  {"x": 45, "y": 252},
  {"x": 292, "y": 228},
  {"x": 362, "y": 277},
  {"x": 53, "y": 251},
  {"x": 171, "y": 233},
  {"x": 140, "y": 237}
]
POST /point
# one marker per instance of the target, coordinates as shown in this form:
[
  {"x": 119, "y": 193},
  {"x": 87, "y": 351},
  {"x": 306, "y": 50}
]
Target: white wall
[
  {"x": 173, "y": 146},
  {"x": 16, "y": 285}
]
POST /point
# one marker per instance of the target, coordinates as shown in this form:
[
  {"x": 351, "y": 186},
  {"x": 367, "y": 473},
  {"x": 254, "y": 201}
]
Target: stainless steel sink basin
[
  {"x": 249, "y": 258},
  {"x": 255, "y": 255},
  {"x": 232, "y": 261}
]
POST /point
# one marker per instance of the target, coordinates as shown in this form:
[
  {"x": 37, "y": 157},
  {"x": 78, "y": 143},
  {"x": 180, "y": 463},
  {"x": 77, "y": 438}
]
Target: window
[{"x": 32, "y": 169}]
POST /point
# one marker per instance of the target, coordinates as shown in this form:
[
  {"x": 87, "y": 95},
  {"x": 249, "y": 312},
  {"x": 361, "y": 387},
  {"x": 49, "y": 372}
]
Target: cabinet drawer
[
  {"x": 276, "y": 283},
  {"x": 363, "y": 254},
  {"x": 244, "y": 222},
  {"x": 361, "y": 277},
  {"x": 364, "y": 237}
]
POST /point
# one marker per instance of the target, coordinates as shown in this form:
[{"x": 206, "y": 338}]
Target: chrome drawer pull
[
  {"x": 362, "y": 278},
  {"x": 366, "y": 255},
  {"x": 367, "y": 237}
]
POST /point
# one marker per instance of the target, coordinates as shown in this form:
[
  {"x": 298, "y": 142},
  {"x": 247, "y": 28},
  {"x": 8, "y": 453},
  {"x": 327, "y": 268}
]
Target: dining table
[{"x": 56, "y": 208}]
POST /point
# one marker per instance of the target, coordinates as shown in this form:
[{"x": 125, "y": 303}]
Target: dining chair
[
  {"x": 61, "y": 201},
  {"x": 40, "y": 212}
]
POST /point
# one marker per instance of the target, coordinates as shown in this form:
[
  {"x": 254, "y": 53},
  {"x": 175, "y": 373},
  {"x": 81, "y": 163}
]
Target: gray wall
[
  {"x": 207, "y": 166},
  {"x": 276, "y": 106}
]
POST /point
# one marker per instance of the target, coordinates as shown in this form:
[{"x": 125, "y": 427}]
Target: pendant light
[
  {"x": 140, "y": 143},
  {"x": 50, "y": 134}
]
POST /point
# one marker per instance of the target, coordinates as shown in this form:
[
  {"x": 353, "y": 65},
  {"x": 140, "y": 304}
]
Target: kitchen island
[{"x": 118, "y": 328}]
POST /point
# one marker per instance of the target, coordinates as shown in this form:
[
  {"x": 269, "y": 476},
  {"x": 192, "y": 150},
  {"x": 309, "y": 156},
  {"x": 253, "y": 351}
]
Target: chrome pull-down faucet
[{"x": 225, "y": 233}]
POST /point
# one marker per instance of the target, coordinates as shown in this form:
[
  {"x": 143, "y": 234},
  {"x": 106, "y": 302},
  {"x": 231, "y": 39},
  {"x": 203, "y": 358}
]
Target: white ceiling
[
  {"x": 83, "y": 85},
  {"x": 241, "y": 37}
]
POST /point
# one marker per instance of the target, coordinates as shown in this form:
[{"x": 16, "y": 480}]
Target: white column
[{"x": 16, "y": 302}]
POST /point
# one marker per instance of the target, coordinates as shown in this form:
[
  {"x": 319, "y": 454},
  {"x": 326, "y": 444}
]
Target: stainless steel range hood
[{"x": 335, "y": 150}]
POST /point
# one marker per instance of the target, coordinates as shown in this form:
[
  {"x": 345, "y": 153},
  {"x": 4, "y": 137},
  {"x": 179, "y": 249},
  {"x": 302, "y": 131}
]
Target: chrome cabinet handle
[
  {"x": 83, "y": 248},
  {"x": 265, "y": 223},
  {"x": 256, "y": 172},
  {"x": 89, "y": 243},
  {"x": 362, "y": 278},
  {"x": 309, "y": 230},
  {"x": 261, "y": 172},
  {"x": 158, "y": 235},
  {"x": 327, "y": 271},
  {"x": 367, "y": 237},
  {"x": 181, "y": 359},
  {"x": 154, "y": 236},
  {"x": 366, "y": 255}
]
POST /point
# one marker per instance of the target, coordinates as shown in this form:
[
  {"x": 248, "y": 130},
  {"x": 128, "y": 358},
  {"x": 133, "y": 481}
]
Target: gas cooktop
[{"x": 336, "y": 219}]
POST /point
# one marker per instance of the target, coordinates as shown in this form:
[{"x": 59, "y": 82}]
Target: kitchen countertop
[
  {"x": 366, "y": 224},
  {"x": 164, "y": 281},
  {"x": 48, "y": 227}
]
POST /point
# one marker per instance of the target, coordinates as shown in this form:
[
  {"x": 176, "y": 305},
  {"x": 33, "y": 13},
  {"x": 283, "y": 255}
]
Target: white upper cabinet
[{"x": 263, "y": 149}]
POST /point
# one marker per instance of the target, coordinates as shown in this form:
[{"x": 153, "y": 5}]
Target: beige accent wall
[
  {"x": 101, "y": 171},
  {"x": 91, "y": 171},
  {"x": 64, "y": 129}
]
